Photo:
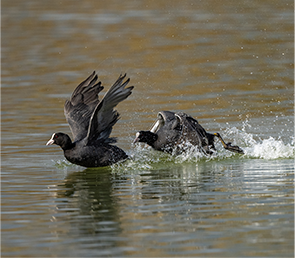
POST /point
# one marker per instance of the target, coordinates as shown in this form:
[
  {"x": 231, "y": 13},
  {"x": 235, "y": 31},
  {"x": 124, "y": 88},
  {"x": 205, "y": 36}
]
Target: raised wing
[
  {"x": 192, "y": 130},
  {"x": 196, "y": 126},
  {"x": 163, "y": 117},
  {"x": 79, "y": 108},
  {"x": 204, "y": 139},
  {"x": 104, "y": 116}
]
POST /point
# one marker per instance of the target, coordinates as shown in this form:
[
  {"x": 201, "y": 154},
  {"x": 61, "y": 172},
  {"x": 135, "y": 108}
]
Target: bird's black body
[
  {"x": 91, "y": 123},
  {"x": 172, "y": 131},
  {"x": 95, "y": 155}
]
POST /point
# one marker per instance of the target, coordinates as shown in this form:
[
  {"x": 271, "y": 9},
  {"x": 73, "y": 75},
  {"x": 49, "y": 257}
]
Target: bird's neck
[
  {"x": 152, "y": 137},
  {"x": 67, "y": 144}
]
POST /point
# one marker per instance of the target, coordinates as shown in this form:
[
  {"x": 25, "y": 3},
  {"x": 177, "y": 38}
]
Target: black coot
[
  {"x": 172, "y": 131},
  {"x": 91, "y": 124}
]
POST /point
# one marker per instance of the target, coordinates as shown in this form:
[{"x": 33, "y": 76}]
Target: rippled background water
[{"x": 230, "y": 64}]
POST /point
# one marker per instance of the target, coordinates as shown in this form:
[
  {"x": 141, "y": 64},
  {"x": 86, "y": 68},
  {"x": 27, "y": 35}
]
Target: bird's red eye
[{"x": 55, "y": 136}]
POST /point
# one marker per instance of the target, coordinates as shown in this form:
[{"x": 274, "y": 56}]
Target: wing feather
[
  {"x": 79, "y": 108},
  {"x": 104, "y": 116}
]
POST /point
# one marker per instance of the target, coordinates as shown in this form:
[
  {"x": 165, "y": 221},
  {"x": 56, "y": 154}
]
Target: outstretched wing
[
  {"x": 104, "y": 116},
  {"x": 79, "y": 108}
]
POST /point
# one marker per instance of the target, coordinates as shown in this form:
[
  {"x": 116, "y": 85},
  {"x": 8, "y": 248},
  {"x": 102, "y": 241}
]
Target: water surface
[{"x": 228, "y": 64}]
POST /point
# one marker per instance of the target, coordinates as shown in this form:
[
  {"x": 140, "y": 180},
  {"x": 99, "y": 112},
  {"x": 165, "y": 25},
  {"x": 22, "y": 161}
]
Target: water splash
[
  {"x": 61, "y": 164},
  {"x": 271, "y": 149},
  {"x": 255, "y": 147},
  {"x": 145, "y": 158},
  {"x": 140, "y": 158}
]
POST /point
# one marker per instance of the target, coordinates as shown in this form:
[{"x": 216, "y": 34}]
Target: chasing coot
[
  {"x": 91, "y": 123},
  {"x": 172, "y": 131}
]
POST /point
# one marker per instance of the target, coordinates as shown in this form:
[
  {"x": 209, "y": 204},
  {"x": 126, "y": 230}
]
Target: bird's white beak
[
  {"x": 136, "y": 138},
  {"x": 51, "y": 141}
]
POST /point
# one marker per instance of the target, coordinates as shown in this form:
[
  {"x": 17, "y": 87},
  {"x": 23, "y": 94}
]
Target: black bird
[
  {"x": 172, "y": 130},
  {"x": 91, "y": 123}
]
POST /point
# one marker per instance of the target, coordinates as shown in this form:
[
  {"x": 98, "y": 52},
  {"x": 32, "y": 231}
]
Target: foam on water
[
  {"x": 271, "y": 149},
  {"x": 255, "y": 147},
  {"x": 145, "y": 158}
]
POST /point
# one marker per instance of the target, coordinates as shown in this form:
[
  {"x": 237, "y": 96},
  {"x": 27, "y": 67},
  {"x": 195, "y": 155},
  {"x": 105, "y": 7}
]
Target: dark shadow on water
[
  {"x": 104, "y": 209},
  {"x": 89, "y": 199},
  {"x": 85, "y": 199}
]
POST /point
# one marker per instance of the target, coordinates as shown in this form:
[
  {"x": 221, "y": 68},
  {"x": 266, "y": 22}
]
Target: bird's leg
[{"x": 228, "y": 145}]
